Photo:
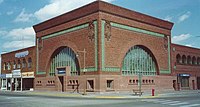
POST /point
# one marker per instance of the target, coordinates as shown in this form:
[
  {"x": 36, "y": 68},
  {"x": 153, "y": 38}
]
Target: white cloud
[
  {"x": 184, "y": 16},
  {"x": 180, "y": 38},
  {"x": 23, "y": 17},
  {"x": 19, "y": 38},
  {"x": 57, "y": 7},
  {"x": 24, "y": 33},
  {"x": 18, "y": 44},
  {"x": 24, "y": 37},
  {"x": 168, "y": 18},
  {"x": 2, "y": 33}
]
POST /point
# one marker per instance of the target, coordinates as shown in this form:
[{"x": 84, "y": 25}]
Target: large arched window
[
  {"x": 64, "y": 57},
  {"x": 184, "y": 59},
  {"x": 138, "y": 59},
  {"x": 189, "y": 60},
  {"x": 194, "y": 61},
  {"x": 178, "y": 59}
]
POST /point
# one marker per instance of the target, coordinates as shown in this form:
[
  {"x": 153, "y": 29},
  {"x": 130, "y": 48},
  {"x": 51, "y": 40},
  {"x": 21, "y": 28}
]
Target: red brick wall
[
  {"x": 122, "y": 40},
  {"x": 11, "y": 57},
  {"x": 115, "y": 49},
  {"x": 185, "y": 68},
  {"x": 77, "y": 41}
]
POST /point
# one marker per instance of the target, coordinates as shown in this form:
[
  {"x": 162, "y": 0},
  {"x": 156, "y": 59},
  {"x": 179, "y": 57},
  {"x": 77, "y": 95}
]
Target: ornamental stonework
[
  {"x": 40, "y": 43},
  {"x": 165, "y": 40},
  {"x": 91, "y": 31},
  {"x": 107, "y": 30}
]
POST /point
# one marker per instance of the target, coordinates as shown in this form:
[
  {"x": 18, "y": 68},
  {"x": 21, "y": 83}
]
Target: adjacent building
[
  {"x": 18, "y": 69},
  {"x": 102, "y": 47},
  {"x": 186, "y": 66}
]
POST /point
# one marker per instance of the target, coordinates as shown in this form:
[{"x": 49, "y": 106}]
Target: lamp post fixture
[
  {"x": 140, "y": 81},
  {"x": 84, "y": 54},
  {"x": 84, "y": 69},
  {"x": 139, "y": 70}
]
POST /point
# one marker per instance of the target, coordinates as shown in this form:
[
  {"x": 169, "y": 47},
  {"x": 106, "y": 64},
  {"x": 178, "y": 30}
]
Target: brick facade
[
  {"x": 191, "y": 67},
  {"x": 106, "y": 32},
  {"x": 22, "y": 60}
]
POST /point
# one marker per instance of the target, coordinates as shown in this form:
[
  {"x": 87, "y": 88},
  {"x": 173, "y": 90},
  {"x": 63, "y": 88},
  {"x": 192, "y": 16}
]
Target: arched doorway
[
  {"x": 63, "y": 57},
  {"x": 139, "y": 59}
]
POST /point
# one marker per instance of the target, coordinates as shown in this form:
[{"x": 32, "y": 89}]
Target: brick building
[
  {"x": 186, "y": 66},
  {"x": 102, "y": 47},
  {"x": 18, "y": 69}
]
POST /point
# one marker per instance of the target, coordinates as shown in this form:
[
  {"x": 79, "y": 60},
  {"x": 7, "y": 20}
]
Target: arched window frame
[
  {"x": 184, "y": 59},
  {"x": 23, "y": 63},
  {"x": 5, "y": 66},
  {"x": 178, "y": 59},
  {"x": 18, "y": 64},
  {"x": 9, "y": 65},
  {"x": 198, "y": 60},
  {"x": 139, "y": 59},
  {"x": 14, "y": 64},
  {"x": 29, "y": 62},
  {"x": 62, "y": 57},
  {"x": 194, "y": 61},
  {"x": 189, "y": 60}
]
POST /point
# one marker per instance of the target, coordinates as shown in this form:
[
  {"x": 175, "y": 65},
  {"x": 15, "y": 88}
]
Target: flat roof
[
  {"x": 101, "y": 6},
  {"x": 15, "y": 51}
]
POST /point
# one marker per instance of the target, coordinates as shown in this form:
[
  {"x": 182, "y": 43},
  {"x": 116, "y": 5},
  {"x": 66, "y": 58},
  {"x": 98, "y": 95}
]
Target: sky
[{"x": 18, "y": 16}]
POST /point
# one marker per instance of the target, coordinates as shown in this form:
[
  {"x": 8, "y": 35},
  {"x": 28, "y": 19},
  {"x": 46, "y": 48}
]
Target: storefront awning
[
  {"x": 16, "y": 73},
  {"x": 8, "y": 75},
  {"x": 3, "y": 76},
  {"x": 28, "y": 75}
]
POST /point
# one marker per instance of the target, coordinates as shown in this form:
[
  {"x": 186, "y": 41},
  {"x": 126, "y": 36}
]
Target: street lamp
[
  {"x": 84, "y": 70},
  {"x": 139, "y": 71},
  {"x": 84, "y": 54},
  {"x": 140, "y": 81}
]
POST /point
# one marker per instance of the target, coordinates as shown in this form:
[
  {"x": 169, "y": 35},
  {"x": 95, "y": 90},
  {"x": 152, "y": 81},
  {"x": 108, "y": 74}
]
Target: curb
[{"x": 79, "y": 95}]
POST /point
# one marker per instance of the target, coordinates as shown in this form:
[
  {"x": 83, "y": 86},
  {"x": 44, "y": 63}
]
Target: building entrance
[
  {"x": 198, "y": 83},
  {"x": 27, "y": 83},
  {"x": 61, "y": 82},
  {"x": 183, "y": 79},
  {"x": 90, "y": 85}
]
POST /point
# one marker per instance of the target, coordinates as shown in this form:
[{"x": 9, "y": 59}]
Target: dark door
[
  {"x": 184, "y": 82},
  {"x": 27, "y": 83},
  {"x": 90, "y": 85},
  {"x": 62, "y": 83},
  {"x": 198, "y": 83},
  {"x": 193, "y": 85}
]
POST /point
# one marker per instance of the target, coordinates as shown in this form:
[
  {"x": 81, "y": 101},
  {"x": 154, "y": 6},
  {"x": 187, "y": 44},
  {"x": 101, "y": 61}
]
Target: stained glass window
[
  {"x": 66, "y": 57},
  {"x": 137, "y": 60}
]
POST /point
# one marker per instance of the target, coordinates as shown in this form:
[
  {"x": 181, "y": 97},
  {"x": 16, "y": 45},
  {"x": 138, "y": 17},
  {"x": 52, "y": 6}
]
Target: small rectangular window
[
  {"x": 14, "y": 66},
  {"x": 18, "y": 66},
  {"x": 110, "y": 84}
]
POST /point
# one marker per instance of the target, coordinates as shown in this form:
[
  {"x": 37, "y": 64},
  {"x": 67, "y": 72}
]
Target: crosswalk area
[{"x": 172, "y": 103}]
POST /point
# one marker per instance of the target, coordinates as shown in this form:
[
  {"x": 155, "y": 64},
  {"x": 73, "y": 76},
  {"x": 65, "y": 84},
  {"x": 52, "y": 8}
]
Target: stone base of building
[{"x": 108, "y": 83}]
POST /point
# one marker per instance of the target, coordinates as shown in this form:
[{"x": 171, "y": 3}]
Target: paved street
[{"x": 21, "y": 100}]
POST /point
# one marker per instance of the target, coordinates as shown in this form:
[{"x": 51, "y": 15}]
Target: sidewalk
[{"x": 108, "y": 95}]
